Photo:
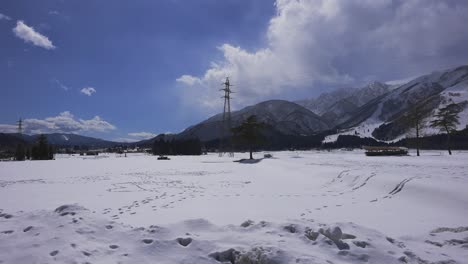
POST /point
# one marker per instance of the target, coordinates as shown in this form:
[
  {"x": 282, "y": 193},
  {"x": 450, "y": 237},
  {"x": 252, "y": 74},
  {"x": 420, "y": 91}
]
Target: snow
[
  {"x": 298, "y": 207},
  {"x": 456, "y": 90},
  {"x": 364, "y": 129},
  {"x": 456, "y": 94}
]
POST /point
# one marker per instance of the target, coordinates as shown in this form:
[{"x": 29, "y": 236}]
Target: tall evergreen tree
[
  {"x": 28, "y": 153},
  {"x": 20, "y": 152},
  {"x": 249, "y": 133},
  {"x": 41, "y": 150},
  {"x": 446, "y": 120}
]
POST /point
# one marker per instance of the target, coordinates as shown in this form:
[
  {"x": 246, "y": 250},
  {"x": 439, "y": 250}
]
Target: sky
[{"x": 128, "y": 70}]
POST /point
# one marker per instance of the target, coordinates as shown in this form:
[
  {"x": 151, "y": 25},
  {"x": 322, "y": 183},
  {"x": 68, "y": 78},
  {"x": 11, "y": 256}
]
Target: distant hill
[
  {"x": 57, "y": 139},
  {"x": 285, "y": 117}
]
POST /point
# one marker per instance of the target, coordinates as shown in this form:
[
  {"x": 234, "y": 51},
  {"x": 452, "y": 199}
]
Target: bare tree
[
  {"x": 414, "y": 119},
  {"x": 446, "y": 120}
]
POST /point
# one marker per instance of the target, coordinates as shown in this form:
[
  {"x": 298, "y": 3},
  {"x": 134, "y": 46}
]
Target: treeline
[
  {"x": 177, "y": 147},
  {"x": 41, "y": 150},
  {"x": 273, "y": 140},
  {"x": 458, "y": 141}
]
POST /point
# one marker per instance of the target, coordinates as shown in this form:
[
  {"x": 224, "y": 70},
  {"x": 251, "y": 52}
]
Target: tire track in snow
[
  {"x": 400, "y": 186},
  {"x": 373, "y": 174},
  {"x": 340, "y": 175}
]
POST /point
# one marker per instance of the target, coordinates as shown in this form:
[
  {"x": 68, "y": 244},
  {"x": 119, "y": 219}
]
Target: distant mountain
[
  {"x": 324, "y": 101},
  {"x": 356, "y": 96},
  {"x": 59, "y": 139},
  {"x": 285, "y": 117},
  {"x": 339, "y": 112},
  {"x": 384, "y": 117},
  {"x": 339, "y": 105}
]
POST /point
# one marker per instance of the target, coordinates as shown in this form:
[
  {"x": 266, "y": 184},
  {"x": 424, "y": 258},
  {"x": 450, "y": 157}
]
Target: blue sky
[
  {"x": 130, "y": 69},
  {"x": 130, "y": 52}
]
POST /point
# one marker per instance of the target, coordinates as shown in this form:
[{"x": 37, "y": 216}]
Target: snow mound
[
  {"x": 78, "y": 236},
  {"x": 71, "y": 209}
]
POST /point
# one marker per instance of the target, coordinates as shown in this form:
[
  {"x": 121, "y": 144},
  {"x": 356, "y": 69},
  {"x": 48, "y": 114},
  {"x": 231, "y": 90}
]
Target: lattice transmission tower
[
  {"x": 225, "y": 142},
  {"x": 20, "y": 126}
]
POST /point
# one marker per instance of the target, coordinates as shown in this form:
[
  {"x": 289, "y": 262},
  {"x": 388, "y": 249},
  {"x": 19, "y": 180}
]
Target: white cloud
[
  {"x": 332, "y": 43},
  {"x": 61, "y": 85},
  {"x": 4, "y": 17},
  {"x": 125, "y": 140},
  {"x": 5, "y": 128},
  {"x": 29, "y": 35},
  {"x": 142, "y": 135},
  {"x": 188, "y": 80},
  {"x": 88, "y": 91},
  {"x": 65, "y": 122}
]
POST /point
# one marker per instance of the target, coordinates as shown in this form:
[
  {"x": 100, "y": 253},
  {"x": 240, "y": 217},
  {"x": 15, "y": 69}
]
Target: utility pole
[{"x": 226, "y": 125}]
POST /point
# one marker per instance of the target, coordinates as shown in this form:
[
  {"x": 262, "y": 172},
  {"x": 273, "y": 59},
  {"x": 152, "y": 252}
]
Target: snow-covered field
[{"x": 299, "y": 207}]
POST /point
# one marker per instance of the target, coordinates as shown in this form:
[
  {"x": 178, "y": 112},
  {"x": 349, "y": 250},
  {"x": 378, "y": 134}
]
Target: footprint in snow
[{"x": 147, "y": 241}]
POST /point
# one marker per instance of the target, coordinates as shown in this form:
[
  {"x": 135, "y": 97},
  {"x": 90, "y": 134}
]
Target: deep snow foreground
[{"x": 195, "y": 209}]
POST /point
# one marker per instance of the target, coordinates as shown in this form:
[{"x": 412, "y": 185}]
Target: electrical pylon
[
  {"x": 20, "y": 126},
  {"x": 225, "y": 145}
]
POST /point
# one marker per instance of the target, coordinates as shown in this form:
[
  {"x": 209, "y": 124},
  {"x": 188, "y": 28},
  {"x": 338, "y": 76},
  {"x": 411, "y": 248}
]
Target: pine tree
[
  {"x": 446, "y": 120},
  {"x": 42, "y": 150},
  {"x": 50, "y": 153},
  {"x": 249, "y": 133},
  {"x": 28, "y": 153},
  {"x": 20, "y": 153}
]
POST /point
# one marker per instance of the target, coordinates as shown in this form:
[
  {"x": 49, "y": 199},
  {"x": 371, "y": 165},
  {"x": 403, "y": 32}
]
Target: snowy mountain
[
  {"x": 339, "y": 112},
  {"x": 356, "y": 96},
  {"x": 338, "y": 106},
  {"x": 285, "y": 117},
  {"x": 384, "y": 117},
  {"x": 62, "y": 139},
  {"x": 321, "y": 104}
]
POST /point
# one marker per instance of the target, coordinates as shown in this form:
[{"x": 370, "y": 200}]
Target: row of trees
[
  {"x": 247, "y": 135},
  {"x": 177, "y": 147},
  {"x": 41, "y": 150}
]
